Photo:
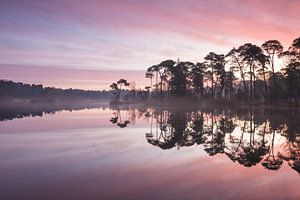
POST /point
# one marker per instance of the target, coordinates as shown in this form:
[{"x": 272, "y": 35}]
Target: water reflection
[
  {"x": 39, "y": 110},
  {"x": 117, "y": 119},
  {"x": 249, "y": 137}
]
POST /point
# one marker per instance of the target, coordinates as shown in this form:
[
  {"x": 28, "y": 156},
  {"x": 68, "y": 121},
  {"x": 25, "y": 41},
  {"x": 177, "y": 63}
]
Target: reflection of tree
[
  {"x": 247, "y": 140},
  {"x": 291, "y": 154},
  {"x": 294, "y": 158},
  {"x": 253, "y": 151},
  {"x": 227, "y": 125},
  {"x": 178, "y": 125},
  {"x": 117, "y": 119},
  {"x": 163, "y": 137},
  {"x": 271, "y": 161},
  {"x": 197, "y": 128},
  {"x": 215, "y": 142},
  {"x": 235, "y": 146},
  {"x": 291, "y": 149},
  {"x": 173, "y": 131}
]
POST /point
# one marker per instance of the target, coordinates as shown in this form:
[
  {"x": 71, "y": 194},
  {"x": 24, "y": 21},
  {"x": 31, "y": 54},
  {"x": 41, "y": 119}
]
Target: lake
[{"x": 140, "y": 152}]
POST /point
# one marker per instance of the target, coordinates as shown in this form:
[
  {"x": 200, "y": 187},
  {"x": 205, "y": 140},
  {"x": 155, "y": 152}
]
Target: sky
[{"x": 53, "y": 42}]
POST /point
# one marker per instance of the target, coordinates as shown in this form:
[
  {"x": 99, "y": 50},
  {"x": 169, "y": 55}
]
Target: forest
[
  {"x": 248, "y": 73},
  {"x": 37, "y": 93}
]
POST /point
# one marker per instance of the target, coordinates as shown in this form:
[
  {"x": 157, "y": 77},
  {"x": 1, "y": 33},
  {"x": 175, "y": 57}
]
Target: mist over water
[{"x": 150, "y": 152}]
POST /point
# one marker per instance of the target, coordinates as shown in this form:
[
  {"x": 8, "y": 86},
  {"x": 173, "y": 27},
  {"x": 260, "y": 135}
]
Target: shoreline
[{"x": 182, "y": 103}]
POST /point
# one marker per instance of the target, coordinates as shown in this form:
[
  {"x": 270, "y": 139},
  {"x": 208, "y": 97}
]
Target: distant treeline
[{"x": 33, "y": 92}]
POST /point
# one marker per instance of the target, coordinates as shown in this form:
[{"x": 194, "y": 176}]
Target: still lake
[{"x": 150, "y": 153}]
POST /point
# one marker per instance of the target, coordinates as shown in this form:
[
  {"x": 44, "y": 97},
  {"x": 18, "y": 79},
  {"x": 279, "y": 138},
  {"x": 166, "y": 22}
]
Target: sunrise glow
[{"x": 44, "y": 37}]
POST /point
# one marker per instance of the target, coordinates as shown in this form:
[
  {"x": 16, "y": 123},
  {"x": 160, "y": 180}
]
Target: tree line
[
  {"x": 246, "y": 73},
  {"x": 36, "y": 92}
]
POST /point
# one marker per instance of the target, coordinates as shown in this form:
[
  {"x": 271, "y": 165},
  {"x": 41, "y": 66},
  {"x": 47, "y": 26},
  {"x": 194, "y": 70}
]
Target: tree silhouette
[
  {"x": 117, "y": 88},
  {"x": 250, "y": 54},
  {"x": 150, "y": 76},
  {"x": 291, "y": 71},
  {"x": 263, "y": 71},
  {"x": 178, "y": 81},
  {"x": 292, "y": 75},
  {"x": 197, "y": 74},
  {"x": 215, "y": 64},
  {"x": 246, "y": 74},
  {"x": 164, "y": 68},
  {"x": 151, "y": 70},
  {"x": 272, "y": 48},
  {"x": 229, "y": 84},
  {"x": 236, "y": 62}
]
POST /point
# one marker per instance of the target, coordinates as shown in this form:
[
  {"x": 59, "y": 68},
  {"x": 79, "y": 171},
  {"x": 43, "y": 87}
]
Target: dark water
[{"x": 147, "y": 153}]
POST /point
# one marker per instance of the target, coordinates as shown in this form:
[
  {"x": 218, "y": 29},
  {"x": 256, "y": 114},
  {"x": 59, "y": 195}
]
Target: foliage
[{"x": 244, "y": 73}]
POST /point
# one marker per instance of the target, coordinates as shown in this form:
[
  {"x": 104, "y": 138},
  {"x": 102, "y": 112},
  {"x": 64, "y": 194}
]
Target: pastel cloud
[{"x": 133, "y": 34}]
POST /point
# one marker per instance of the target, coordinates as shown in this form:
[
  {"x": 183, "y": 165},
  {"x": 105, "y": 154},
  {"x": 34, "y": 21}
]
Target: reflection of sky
[
  {"x": 130, "y": 34},
  {"x": 59, "y": 157}
]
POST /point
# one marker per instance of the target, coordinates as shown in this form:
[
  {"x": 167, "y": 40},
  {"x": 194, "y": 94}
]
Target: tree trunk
[
  {"x": 254, "y": 84},
  {"x": 212, "y": 83},
  {"x": 156, "y": 86},
  {"x": 274, "y": 78},
  {"x": 251, "y": 82},
  {"x": 265, "y": 81},
  {"x": 242, "y": 75},
  {"x": 160, "y": 76}
]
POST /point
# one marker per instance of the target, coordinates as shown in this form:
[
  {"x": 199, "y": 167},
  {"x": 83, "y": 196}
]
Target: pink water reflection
[
  {"x": 62, "y": 120},
  {"x": 81, "y": 155}
]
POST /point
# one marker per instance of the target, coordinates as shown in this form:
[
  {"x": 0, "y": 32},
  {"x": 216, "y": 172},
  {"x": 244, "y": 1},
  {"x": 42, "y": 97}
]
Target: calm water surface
[{"x": 147, "y": 153}]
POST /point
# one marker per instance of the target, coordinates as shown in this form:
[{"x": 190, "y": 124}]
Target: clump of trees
[
  {"x": 117, "y": 88},
  {"x": 246, "y": 73},
  {"x": 123, "y": 91}
]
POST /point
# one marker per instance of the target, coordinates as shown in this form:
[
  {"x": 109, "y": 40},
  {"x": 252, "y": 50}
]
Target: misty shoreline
[{"x": 11, "y": 108}]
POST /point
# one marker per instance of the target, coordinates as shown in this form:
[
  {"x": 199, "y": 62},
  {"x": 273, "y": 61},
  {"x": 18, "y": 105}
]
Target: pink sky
[
  {"x": 89, "y": 79},
  {"x": 109, "y": 36}
]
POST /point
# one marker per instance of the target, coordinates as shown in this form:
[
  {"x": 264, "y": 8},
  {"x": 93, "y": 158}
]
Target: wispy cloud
[{"x": 133, "y": 34}]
